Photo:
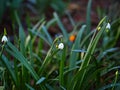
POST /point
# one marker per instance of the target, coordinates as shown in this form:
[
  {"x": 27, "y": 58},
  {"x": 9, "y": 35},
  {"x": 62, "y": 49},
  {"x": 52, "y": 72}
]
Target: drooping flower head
[
  {"x": 61, "y": 46},
  {"x": 4, "y": 39},
  {"x": 108, "y": 26}
]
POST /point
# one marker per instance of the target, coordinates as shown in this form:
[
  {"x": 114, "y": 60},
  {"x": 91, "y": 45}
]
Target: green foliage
[
  {"x": 34, "y": 61},
  {"x": 56, "y": 5},
  {"x": 2, "y": 7},
  {"x": 40, "y": 7},
  {"x": 11, "y": 4}
]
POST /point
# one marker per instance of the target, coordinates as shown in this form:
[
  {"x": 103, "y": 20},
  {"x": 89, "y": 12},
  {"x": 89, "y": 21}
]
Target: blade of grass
[
  {"x": 61, "y": 69},
  {"x": 18, "y": 55},
  {"x": 87, "y": 57},
  {"x": 88, "y": 16},
  {"x": 75, "y": 78},
  {"x": 41, "y": 36},
  {"x": 50, "y": 23},
  {"x": 110, "y": 70},
  {"x": 70, "y": 18},
  {"x": 86, "y": 38},
  {"x": 48, "y": 56},
  {"x": 109, "y": 86},
  {"x": 102, "y": 54},
  {"x": 62, "y": 28},
  {"x": 29, "y": 87},
  {"x": 10, "y": 69},
  {"x": 21, "y": 34},
  {"x": 73, "y": 56},
  {"x": 22, "y": 49},
  {"x": 40, "y": 80},
  {"x": 47, "y": 34},
  {"x": 38, "y": 30},
  {"x": 90, "y": 51},
  {"x": 28, "y": 38}
]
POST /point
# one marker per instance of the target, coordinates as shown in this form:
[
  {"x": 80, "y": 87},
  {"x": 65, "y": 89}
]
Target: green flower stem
[
  {"x": 61, "y": 69},
  {"x": 116, "y": 77},
  {"x": 48, "y": 57},
  {"x": 3, "y": 46}
]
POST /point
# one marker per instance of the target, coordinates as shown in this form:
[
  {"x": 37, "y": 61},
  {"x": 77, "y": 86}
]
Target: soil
[{"x": 76, "y": 8}]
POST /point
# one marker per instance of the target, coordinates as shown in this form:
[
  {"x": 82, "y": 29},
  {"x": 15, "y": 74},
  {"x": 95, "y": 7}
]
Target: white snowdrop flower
[
  {"x": 4, "y": 39},
  {"x": 61, "y": 46},
  {"x": 108, "y": 26}
]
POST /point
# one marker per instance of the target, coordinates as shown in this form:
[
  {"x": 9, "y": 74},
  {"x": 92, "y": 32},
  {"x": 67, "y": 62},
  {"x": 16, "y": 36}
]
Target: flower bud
[
  {"x": 108, "y": 26},
  {"x": 4, "y": 39},
  {"x": 61, "y": 46}
]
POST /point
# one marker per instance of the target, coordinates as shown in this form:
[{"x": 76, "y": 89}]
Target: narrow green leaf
[
  {"x": 87, "y": 56},
  {"x": 83, "y": 42},
  {"x": 50, "y": 23},
  {"x": 61, "y": 70},
  {"x": 41, "y": 36},
  {"x": 37, "y": 29},
  {"x": 47, "y": 34},
  {"x": 21, "y": 34},
  {"x": 49, "y": 87},
  {"x": 18, "y": 55},
  {"x": 110, "y": 86},
  {"x": 22, "y": 40},
  {"x": 40, "y": 80},
  {"x": 102, "y": 54},
  {"x": 88, "y": 16},
  {"x": 2, "y": 87},
  {"x": 111, "y": 69},
  {"x": 31, "y": 88},
  {"x": 65, "y": 34},
  {"x": 73, "y": 56},
  {"x": 10, "y": 69},
  {"x": 70, "y": 18},
  {"x": 49, "y": 56}
]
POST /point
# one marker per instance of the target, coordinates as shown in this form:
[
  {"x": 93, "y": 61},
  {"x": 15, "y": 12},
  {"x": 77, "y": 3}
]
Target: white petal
[
  {"x": 4, "y": 39},
  {"x": 61, "y": 46},
  {"x": 108, "y": 26}
]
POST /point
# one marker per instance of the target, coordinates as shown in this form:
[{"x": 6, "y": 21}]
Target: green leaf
[
  {"x": 9, "y": 68},
  {"x": 76, "y": 45},
  {"x": 41, "y": 36},
  {"x": 88, "y": 16},
  {"x": 2, "y": 87},
  {"x": 49, "y": 56},
  {"x": 87, "y": 57},
  {"x": 102, "y": 54},
  {"x": 61, "y": 69},
  {"x": 18, "y": 55},
  {"x": 110, "y": 86},
  {"x": 31, "y": 88},
  {"x": 47, "y": 34},
  {"x": 50, "y": 23},
  {"x": 40, "y": 80},
  {"x": 2, "y": 8},
  {"x": 37, "y": 28},
  {"x": 21, "y": 34},
  {"x": 62, "y": 28}
]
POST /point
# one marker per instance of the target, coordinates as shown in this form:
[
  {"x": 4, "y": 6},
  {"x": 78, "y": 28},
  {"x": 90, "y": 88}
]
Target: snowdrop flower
[
  {"x": 4, "y": 39},
  {"x": 61, "y": 46},
  {"x": 108, "y": 26}
]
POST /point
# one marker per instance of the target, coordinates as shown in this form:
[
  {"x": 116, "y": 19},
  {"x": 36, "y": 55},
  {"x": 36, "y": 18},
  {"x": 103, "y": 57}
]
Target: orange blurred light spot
[{"x": 72, "y": 38}]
